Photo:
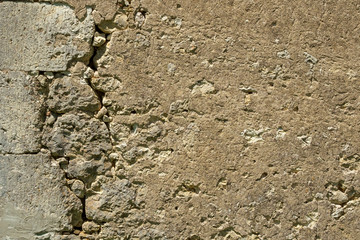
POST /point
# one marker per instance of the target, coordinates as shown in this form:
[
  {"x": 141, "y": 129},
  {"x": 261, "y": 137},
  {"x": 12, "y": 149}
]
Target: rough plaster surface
[{"x": 179, "y": 120}]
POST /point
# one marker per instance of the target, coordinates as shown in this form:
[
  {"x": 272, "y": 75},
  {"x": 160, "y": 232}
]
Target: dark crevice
[
  {"x": 83, "y": 215},
  {"x": 19, "y": 154},
  {"x": 92, "y": 61},
  {"x": 263, "y": 175},
  {"x": 95, "y": 49}
]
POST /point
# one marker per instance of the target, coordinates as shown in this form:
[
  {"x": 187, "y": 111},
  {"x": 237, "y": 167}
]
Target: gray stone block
[
  {"x": 34, "y": 200},
  {"x": 20, "y": 113},
  {"x": 41, "y": 36}
]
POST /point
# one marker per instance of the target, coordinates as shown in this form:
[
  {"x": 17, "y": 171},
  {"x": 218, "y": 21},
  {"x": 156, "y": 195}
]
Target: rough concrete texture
[{"x": 179, "y": 120}]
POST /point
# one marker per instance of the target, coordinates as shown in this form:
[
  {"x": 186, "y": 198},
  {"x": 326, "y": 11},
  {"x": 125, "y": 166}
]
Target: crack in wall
[
  {"x": 100, "y": 96},
  {"x": 93, "y": 67},
  {"x": 46, "y": 113}
]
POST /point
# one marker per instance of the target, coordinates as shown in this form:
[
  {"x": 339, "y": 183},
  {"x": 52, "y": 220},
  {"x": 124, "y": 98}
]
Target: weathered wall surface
[{"x": 179, "y": 120}]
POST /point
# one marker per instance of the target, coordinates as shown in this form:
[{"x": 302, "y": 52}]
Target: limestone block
[
  {"x": 105, "y": 84},
  {"x": 41, "y": 36},
  {"x": 20, "y": 113},
  {"x": 115, "y": 199},
  {"x": 68, "y": 94},
  {"x": 26, "y": 208},
  {"x": 74, "y": 135}
]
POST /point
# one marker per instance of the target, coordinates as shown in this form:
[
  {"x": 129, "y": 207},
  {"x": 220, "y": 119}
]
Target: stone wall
[{"x": 154, "y": 119}]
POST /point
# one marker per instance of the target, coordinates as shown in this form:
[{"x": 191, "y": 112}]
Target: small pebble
[
  {"x": 121, "y": 147},
  {"x": 339, "y": 197},
  {"x": 42, "y": 79},
  {"x": 101, "y": 113},
  {"x": 106, "y": 102},
  {"x": 99, "y": 39},
  {"x": 88, "y": 73},
  {"x": 107, "y": 119},
  {"x": 114, "y": 156},
  {"x": 90, "y": 227},
  {"x": 78, "y": 188},
  {"x": 49, "y": 75}
]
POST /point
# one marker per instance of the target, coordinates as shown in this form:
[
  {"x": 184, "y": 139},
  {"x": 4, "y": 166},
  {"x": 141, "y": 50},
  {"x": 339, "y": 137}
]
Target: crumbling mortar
[
  {"x": 100, "y": 96},
  {"x": 46, "y": 113},
  {"x": 98, "y": 93}
]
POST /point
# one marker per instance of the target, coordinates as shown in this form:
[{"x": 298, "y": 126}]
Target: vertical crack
[
  {"x": 93, "y": 67},
  {"x": 83, "y": 215},
  {"x": 99, "y": 43}
]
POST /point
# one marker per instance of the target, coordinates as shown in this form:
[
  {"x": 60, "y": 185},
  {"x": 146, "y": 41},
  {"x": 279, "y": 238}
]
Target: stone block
[
  {"x": 34, "y": 200},
  {"x": 20, "y": 113},
  {"x": 42, "y": 36}
]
